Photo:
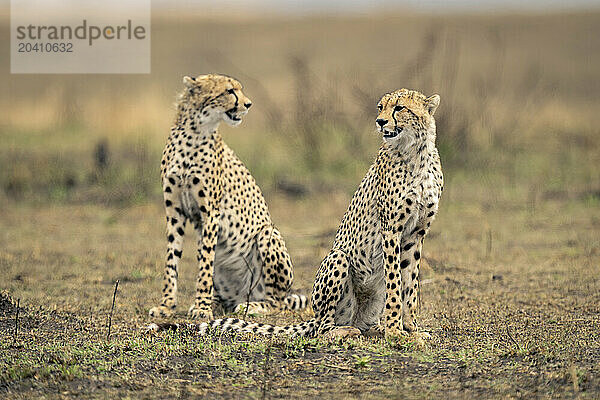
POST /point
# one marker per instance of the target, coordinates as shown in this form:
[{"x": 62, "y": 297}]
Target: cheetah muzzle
[
  {"x": 392, "y": 134},
  {"x": 232, "y": 116}
]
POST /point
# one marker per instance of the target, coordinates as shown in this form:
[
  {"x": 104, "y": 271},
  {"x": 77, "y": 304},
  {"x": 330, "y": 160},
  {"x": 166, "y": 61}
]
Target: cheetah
[
  {"x": 369, "y": 282},
  {"x": 242, "y": 258}
]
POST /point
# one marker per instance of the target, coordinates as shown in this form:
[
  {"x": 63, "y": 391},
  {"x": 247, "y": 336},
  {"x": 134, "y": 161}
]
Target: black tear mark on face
[
  {"x": 237, "y": 100},
  {"x": 394, "y": 118}
]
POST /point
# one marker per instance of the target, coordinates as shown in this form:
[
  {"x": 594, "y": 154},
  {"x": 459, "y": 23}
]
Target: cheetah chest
[{"x": 190, "y": 205}]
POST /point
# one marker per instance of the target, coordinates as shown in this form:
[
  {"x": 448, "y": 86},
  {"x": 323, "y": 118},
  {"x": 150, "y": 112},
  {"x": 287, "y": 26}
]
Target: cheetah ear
[
  {"x": 432, "y": 103},
  {"x": 189, "y": 82}
]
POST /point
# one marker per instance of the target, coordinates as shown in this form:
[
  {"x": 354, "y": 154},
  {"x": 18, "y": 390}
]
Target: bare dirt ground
[{"x": 511, "y": 297}]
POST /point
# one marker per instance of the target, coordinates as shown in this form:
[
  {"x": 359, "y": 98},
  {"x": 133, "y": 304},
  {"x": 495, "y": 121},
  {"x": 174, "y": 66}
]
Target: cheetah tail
[
  {"x": 306, "y": 328},
  {"x": 295, "y": 302}
]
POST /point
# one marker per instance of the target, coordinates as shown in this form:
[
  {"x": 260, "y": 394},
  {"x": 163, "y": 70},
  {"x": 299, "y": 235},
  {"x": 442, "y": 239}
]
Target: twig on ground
[
  {"x": 112, "y": 309},
  {"x": 250, "y": 287},
  {"x": 16, "y": 333},
  {"x": 512, "y": 339}
]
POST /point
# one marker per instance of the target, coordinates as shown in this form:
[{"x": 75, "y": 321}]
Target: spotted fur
[
  {"x": 242, "y": 259},
  {"x": 370, "y": 279}
]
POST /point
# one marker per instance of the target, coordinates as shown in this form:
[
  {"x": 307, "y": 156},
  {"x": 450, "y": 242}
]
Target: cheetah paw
[
  {"x": 395, "y": 334},
  {"x": 419, "y": 339},
  {"x": 162, "y": 312},
  {"x": 252, "y": 308},
  {"x": 376, "y": 331},
  {"x": 420, "y": 336},
  {"x": 200, "y": 313},
  {"x": 340, "y": 332}
]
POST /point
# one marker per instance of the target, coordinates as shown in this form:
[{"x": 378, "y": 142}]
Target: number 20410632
[{"x": 26, "y": 47}]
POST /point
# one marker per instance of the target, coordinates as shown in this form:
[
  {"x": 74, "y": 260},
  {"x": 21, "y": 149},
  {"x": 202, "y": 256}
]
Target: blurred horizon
[
  {"x": 342, "y": 7},
  {"x": 253, "y": 8}
]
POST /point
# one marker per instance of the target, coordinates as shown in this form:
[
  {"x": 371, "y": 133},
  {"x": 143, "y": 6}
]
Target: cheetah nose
[
  {"x": 381, "y": 122},
  {"x": 248, "y": 104}
]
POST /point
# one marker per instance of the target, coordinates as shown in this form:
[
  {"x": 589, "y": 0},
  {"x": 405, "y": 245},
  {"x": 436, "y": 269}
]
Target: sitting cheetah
[
  {"x": 240, "y": 253},
  {"x": 370, "y": 279}
]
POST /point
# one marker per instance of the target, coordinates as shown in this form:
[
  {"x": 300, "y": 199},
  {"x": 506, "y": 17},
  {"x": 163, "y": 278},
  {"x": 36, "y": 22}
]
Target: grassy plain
[{"x": 511, "y": 279}]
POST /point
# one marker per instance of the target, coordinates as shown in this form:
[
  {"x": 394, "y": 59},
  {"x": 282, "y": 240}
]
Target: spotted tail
[
  {"x": 306, "y": 328},
  {"x": 266, "y": 307},
  {"x": 296, "y": 302}
]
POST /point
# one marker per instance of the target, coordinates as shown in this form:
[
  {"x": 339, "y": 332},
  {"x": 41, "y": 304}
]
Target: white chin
[
  {"x": 390, "y": 139},
  {"x": 233, "y": 123},
  {"x": 230, "y": 121}
]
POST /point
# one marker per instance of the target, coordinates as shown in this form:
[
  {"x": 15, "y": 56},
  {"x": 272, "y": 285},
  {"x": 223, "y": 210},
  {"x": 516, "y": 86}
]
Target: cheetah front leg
[
  {"x": 332, "y": 296},
  {"x": 207, "y": 232},
  {"x": 277, "y": 271},
  {"x": 207, "y": 194},
  {"x": 411, "y": 258},
  {"x": 392, "y": 314},
  {"x": 175, "y": 231}
]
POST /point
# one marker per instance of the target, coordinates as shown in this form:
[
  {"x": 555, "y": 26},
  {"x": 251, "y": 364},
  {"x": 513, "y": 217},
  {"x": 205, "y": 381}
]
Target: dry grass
[
  {"x": 514, "y": 317},
  {"x": 511, "y": 279}
]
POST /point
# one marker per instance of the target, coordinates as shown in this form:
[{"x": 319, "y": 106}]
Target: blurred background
[{"x": 519, "y": 117}]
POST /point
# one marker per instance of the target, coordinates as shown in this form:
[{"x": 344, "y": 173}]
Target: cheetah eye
[
  {"x": 230, "y": 91},
  {"x": 399, "y": 108},
  {"x": 380, "y": 107}
]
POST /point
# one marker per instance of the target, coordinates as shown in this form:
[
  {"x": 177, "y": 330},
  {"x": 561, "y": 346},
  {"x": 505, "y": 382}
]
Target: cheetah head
[
  {"x": 405, "y": 116},
  {"x": 215, "y": 98}
]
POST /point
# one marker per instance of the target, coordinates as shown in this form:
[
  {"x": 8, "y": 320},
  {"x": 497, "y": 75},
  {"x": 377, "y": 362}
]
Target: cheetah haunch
[
  {"x": 242, "y": 258},
  {"x": 370, "y": 279}
]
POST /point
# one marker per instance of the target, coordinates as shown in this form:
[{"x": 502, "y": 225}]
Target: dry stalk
[
  {"x": 112, "y": 309},
  {"x": 16, "y": 333}
]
